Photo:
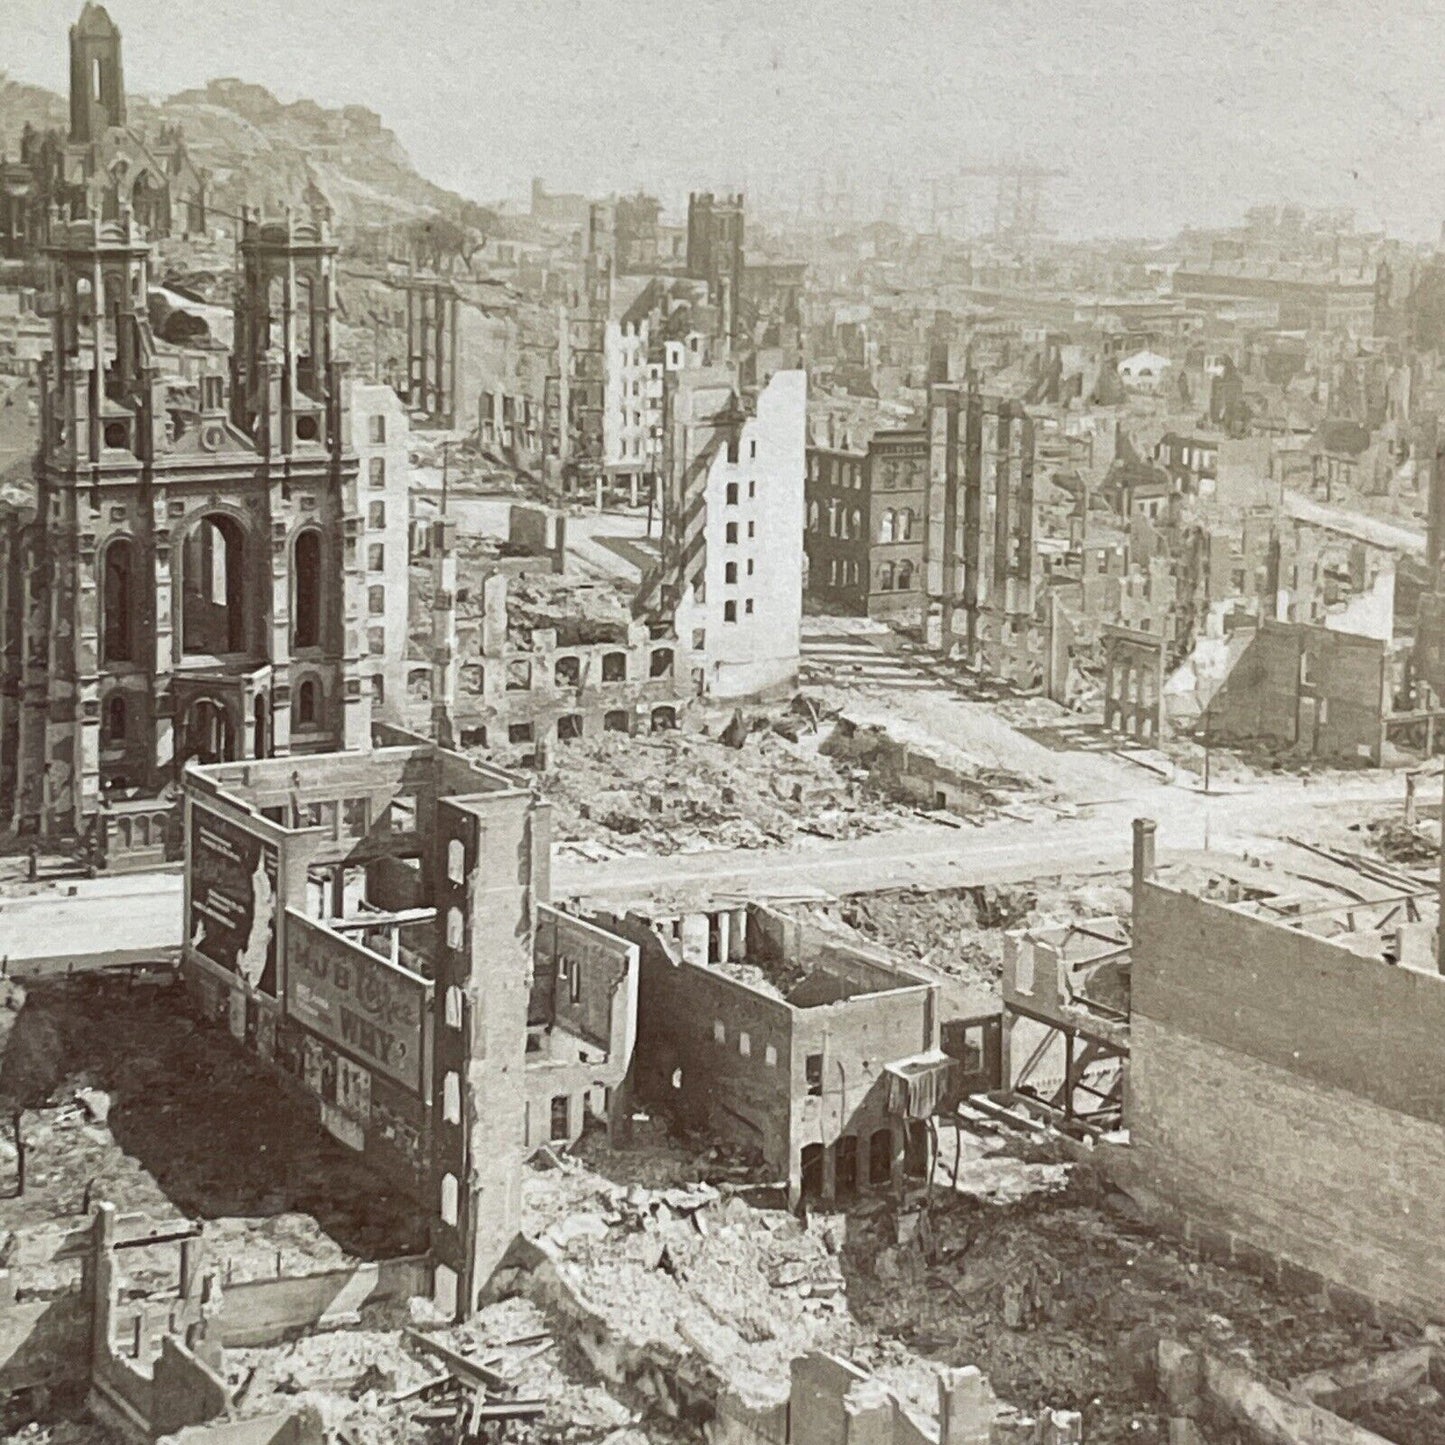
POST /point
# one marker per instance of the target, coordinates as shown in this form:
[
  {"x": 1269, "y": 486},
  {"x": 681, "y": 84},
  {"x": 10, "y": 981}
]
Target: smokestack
[{"x": 1144, "y": 830}]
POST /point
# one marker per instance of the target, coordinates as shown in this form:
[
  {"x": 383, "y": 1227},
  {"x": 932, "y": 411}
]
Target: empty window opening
[
  {"x": 213, "y": 582},
  {"x": 449, "y": 1210},
  {"x": 811, "y": 1162},
  {"x": 456, "y": 860},
  {"x": 307, "y": 572},
  {"x": 117, "y": 602},
  {"x": 615, "y": 721},
  {"x": 569, "y": 727},
  {"x": 115, "y": 719},
  {"x": 520, "y": 733},
  {"x": 614, "y": 667},
  {"x": 306, "y": 704},
  {"x": 880, "y": 1156},
  {"x": 662, "y": 662},
  {"x": 561, "y": 1118},
  {"x": 519, "y": 675},
  {"x": 813, "y": 1072},
  {"x": 452, "y": 1098},
  {"x": 663, "y": 719},
  {"x": 568, "y": 672}
]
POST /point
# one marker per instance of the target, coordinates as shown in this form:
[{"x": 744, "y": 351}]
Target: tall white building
[
  {"x": 381, "y": 433},
  {"x": 733, "y": 534}
]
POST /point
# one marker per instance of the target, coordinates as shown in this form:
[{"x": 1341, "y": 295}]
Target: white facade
[
  {"x": 1144, "y": 371},
  {"x": 630, "y": 401},
  {"x": 745, "y": 623},
  {"x": 380, "y": 436}
]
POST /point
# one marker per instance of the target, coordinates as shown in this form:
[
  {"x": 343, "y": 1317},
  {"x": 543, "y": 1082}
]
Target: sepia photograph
[{"x": 722, "y": 724}]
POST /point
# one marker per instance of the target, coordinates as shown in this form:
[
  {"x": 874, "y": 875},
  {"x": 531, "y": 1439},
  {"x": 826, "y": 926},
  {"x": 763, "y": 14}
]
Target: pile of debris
[
  {"x": 1059, "y": 1298},
  {"x": 396, "y": 1379},
  {"x": 694, "y": 1270},
  {"x": 957, "y": 934},
  {"x": 685, "y": 791}
]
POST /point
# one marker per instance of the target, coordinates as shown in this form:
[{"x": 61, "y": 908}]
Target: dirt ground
[{"x": 164, "y": 1115}]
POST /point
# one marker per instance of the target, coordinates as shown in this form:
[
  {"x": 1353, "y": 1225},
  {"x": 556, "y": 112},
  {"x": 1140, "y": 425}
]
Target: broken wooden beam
[{"x": 470, "y": 1372}]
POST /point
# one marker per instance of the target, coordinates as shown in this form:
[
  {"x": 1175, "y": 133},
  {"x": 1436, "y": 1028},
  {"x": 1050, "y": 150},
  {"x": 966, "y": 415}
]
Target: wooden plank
[{"x": 469, "y": 1372}]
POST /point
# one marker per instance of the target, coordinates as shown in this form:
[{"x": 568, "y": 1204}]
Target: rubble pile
[
  {"x": 958, "y": 933},
  {"x": 388, "y": 1380},
  {"x": 1058, "y": 1298},
  {"x": 685, "y": 791},
  {"x": 695, "y": 1269},
  {"x": 166, "y": 1113}
]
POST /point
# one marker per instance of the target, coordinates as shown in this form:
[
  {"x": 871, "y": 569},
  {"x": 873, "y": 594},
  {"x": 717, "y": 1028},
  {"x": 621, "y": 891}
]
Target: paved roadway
[{"x": 111, "y": 920}]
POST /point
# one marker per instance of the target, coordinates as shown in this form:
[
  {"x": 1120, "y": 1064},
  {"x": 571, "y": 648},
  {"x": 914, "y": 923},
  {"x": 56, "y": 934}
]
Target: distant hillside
[{"x": 260, "y": 152}]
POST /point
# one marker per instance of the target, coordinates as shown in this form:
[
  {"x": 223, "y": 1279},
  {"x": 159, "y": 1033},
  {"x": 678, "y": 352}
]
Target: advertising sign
[
  {"x": 233, "y": 899},
  {"x": 362, "y": 1003}
]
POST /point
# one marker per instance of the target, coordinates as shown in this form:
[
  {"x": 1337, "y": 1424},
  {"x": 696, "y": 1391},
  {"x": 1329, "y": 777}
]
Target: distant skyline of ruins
[{"x": 1162, "y": 115}]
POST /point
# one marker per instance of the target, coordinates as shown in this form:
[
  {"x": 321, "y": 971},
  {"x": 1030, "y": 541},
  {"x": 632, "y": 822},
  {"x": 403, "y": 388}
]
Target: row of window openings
[
  {"x": 745, "y": 1044},
  {"x": 732, "y": 492},
  {"x": 560, "y": 1131},
  {"x": 732, "y": 532},
  {"x": 566, "y": 671},
  {"x": 115, "y": 713},
  {"x": 892, "y": 527},
  {"x": 890, "y": 579},
  {"x": 730, "y": 609},
  {"x": 812, "y": 1065},
  {"x": 212, "y": 587}
]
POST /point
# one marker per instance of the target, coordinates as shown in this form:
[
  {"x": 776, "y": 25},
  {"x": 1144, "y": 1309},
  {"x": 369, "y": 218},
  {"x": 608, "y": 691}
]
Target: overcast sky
[{"x": 1162, "y": 113}]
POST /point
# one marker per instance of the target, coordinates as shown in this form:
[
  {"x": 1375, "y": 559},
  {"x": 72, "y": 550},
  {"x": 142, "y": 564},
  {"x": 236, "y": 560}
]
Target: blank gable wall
[{"x": 1287, "y": 1090}]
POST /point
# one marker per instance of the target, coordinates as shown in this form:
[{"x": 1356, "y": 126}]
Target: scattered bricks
[
  {"x": 1296, "y": 1279},
  {"x": 1014, "y": 1430},
  {"x": 966, "y": 1407},
  {"x": 1061, "y": 1427},
  {"x": 1350, "y": 1302},
  {"x": 1183, "y": 1431},
  {"x": 868, "y": 1414},
  {"x": 1257, "y": 1262},
  {"x": 1212, "y": 1244}
]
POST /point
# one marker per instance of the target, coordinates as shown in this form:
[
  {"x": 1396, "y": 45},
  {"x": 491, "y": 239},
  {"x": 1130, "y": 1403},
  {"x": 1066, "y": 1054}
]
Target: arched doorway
[{"x": 213, "y": 587}]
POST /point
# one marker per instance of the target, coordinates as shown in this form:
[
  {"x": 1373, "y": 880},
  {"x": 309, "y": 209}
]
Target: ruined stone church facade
[
  {"x": 103, "y": 164},
  {"x": 185, "y": 580}
]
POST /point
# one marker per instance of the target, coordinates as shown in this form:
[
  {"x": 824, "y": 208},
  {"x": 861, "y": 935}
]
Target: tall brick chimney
[{"x": 1144, "y": 830}]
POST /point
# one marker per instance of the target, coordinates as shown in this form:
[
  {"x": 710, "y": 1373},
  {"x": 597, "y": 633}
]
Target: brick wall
[{"x": 1288, "y": 1090}]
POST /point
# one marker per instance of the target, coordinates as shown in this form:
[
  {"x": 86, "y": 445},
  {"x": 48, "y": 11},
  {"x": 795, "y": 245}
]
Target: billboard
[
  {"x": 367, "y": 1006},
  {"x": 233, "y": 898}
]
